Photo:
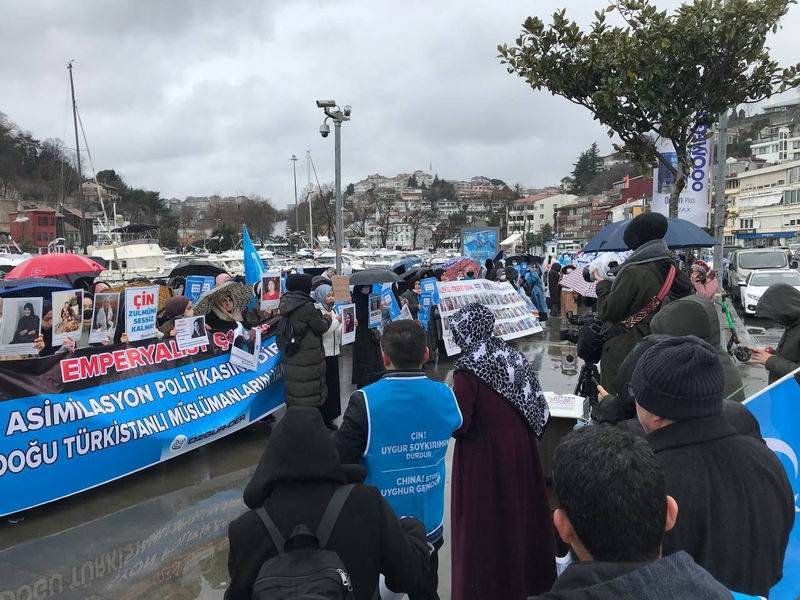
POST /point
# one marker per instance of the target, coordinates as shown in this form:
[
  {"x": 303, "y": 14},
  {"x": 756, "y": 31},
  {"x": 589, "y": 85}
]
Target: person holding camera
[
  {"x": 640, "y": 286},
  {"x": 704, "y": 280}
]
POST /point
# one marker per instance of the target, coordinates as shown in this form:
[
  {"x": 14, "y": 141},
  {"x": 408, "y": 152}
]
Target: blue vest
[{"x": 411, "y": 420}]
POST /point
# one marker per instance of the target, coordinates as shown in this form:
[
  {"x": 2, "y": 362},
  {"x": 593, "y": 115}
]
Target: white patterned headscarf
[{"x": 499, "y": 366}]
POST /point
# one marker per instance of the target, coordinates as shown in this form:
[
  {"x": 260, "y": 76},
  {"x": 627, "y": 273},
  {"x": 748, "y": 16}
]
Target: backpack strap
[
  {"x": 331, "y": 513},
  {"x": 652, "y": 306},
  {"x": 272, "y": 529}
]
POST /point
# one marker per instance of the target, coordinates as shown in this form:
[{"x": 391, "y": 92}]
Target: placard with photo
[
  {"x": 270, "y": 289},
  {"x": 21, "y": 325},
  {"x": 348, "y": 314},
  {"x": 375, "y": 312},
  {"x": 67, "y": 316},
  {"x": 244, "y": 351},
  {"x": 104, "y": 318},
  {"x": 190, "y": 332}
]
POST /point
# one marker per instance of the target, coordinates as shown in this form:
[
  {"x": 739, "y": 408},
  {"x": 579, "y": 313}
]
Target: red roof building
[{"x": 35, "y": 225}]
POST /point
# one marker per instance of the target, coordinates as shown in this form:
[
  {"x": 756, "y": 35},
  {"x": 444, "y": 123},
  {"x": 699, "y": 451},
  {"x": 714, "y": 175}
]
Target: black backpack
[
  {"x": 303, "y": 568},
  {"x": 284, "y": 335}
]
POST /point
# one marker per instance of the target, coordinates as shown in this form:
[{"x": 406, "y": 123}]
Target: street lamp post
[{"x": 338, "y": 116}]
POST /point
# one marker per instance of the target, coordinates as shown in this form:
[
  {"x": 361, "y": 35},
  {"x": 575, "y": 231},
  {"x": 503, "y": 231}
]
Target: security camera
[
  {"x": 347, "y": 110},
  {"x": 324, "y": 130},
  {"x": 326, "y": 103}
]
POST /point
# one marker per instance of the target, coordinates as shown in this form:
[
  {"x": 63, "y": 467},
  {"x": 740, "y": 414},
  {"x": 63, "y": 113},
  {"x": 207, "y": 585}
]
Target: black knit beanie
[
  {"x": 645, "y": 228},
  {"x": 299, "y": 282},
  {"x": 680, "y": 378}
]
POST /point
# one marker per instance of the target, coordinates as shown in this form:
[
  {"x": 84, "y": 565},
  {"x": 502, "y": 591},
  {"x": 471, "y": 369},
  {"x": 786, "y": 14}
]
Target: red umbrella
[
  {"x": 56, "y": 265},
  {"x": 460, "y": 266}
]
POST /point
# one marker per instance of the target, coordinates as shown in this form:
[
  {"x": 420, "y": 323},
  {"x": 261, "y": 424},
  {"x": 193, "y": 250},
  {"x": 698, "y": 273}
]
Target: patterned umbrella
[
  {"x": 574, "y": 281},
  {"x": 240, "y": 293}
]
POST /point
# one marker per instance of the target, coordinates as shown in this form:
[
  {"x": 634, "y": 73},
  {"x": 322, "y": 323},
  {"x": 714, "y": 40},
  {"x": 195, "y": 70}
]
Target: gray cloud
[{"x": 193, "y": 97}]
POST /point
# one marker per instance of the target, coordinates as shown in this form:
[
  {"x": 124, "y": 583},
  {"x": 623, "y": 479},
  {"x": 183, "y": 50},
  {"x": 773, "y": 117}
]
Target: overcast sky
[{"x": 194, "y": 97}]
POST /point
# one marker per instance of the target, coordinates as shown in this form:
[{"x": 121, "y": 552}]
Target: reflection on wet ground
[{"x": 162, "y": 533}]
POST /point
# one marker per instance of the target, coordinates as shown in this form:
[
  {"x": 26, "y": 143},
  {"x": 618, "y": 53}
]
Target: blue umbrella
[
  {"x": 34, "y": 287},
  {"x": 680, "y": 234},
  {"x": 401, "y": 266}
]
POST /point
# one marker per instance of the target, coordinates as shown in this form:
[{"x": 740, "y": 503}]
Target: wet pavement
[{"x": 162, "y": 533}]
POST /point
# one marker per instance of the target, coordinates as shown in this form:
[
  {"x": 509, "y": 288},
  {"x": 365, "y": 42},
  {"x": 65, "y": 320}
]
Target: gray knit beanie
[{"x": 680, "y": 378}]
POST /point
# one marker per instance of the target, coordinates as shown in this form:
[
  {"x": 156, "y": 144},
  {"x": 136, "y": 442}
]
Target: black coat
[
  {"x": 781, "y": 303},
  {"x": 638, "y": 282},
  {"x": 295, "y": 479},
  {"x": 735, "y": 504},
  {"x": 413, "y": 302},
  {"x": 553, "y": 286},
  {"x": 675, "y": 576},
  {"x": 367, "y": 362},
  {"x": 305, "y": 369}
]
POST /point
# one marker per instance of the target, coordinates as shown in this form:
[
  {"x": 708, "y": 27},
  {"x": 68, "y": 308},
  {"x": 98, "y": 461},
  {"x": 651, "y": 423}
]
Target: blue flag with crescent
[
  {"x": 253, "y": 265},
  {"x": 777, "y": 410}
]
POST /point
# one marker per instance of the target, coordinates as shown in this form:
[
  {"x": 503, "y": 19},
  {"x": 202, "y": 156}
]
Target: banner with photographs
[
  {"x": 270, "y": 289},
  {"x": 104, "y": 318},
  {"x": 190, "y": 332},
  {"x": 67, "y": 316},
  {"x": 74, "y": 421},
  {"x": 513, "y": 319},
  {"x": 21, "y": 325}
]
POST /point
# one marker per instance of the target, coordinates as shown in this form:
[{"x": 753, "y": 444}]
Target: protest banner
[
  {"x": 348, "y": 314},
  {"x": 190, "y": 332},
  {"x": 270, "y": 289},
  {"x": 480, "y": 243},
  {"x": 196, "y": 286},
  {"x": 67, "y": 316},
  {"x": 21, "y": 325},
  {"x": 141, "y": 308},
  {"x": 73, "y": 422},
  {"x": 777, "y": 411},
  {"x": 375, "y": 311},
  {"x": 389, "y": 301},
  {"x": 512, "y": 317},
  {"x": 341, "y": 288},
  {"x": 244, "y": 352},
  {"x": 104, "y": 318}
]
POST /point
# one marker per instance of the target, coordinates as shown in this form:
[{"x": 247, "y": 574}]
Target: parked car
[
  {"x": 758, "y": 281},
  {"x": 745, "y": 261}
]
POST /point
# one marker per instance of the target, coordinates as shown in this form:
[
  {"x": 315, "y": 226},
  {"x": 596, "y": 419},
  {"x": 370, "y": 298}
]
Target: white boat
[{"x": 129, "y": 260}]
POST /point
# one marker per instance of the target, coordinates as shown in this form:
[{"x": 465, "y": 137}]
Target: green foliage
[
  {"x": 538, "y": 239},
  {"x": 168, "y": 231},
  {"x": 659, "y": 74},
  {"x": 440, "y": 190},
  {"x": 350, "y": 189},
  {"x": 589, "y": 164},
  {"x": 222, "y": 238}
]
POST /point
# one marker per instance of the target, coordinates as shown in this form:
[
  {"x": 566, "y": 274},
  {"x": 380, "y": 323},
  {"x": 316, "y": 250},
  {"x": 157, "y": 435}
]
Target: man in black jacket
[
  {"x": 637, "y": 282},
  {"x": 613, "y": 510},
  {"x": 297, "y": 475},
  {"x": 305, "y": 367},
  {"x": 737, "y": 507}
]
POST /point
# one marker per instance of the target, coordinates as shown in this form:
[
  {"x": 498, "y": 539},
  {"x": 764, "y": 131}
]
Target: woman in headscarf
[
  {"x": 27, "y": 327},
  {"x": 175, "y": 307},
  {"x": 503, "y": 544},
  {"x": 554, "y": 288},
  {"x": 367, "y": 362},
  {"x": 224, "y": 314},
  {"x": 332, "y": 344},
  {"x": 411, "y": 298}
]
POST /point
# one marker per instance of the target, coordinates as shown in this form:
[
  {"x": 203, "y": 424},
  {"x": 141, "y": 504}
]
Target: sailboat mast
[
  {"x": 310, "y": 203},
  {"x": 81, "y": 229}
]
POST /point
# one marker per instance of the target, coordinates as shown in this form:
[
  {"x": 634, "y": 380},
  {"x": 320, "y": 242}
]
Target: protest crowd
[{"x": 667, "y": 491}]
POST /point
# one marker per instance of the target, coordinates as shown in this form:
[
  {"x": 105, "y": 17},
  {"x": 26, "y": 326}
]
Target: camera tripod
[{"x": 588, "y": 379}]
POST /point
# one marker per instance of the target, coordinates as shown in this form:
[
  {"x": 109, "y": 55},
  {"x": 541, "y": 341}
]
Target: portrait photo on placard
[
  {"x": 20, "y": 325},
  {"x": 190, "y": 332},
  {"x": 67, "y": 315},
  {"x": 270, "y": 290},
  {"x": 104, "y": 318}
]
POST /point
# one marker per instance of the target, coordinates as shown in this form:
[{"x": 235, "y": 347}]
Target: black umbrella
[
  {"x": 370, "y": 276},
  {"x": 197, "y": 267}
]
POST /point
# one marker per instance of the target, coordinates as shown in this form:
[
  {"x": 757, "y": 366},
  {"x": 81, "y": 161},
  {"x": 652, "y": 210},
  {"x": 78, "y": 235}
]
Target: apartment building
[{"x": 532, "y": 212}]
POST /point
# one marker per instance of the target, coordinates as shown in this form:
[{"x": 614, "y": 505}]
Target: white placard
[
  {"x": 244, "y": 351},
  {"x": 141, "y": 310},
  {"x": 104, "y": 318},
  {"x": 512, "y": 318},
  {"x": 67, "y": 316},
  {"x": 348, "y": 314},
  {"x": 565, "y": 406},
  {"x": 21, "y": 325},
  {"x": 270, "y": 289},
  {"x": 190, "y": 332}
]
